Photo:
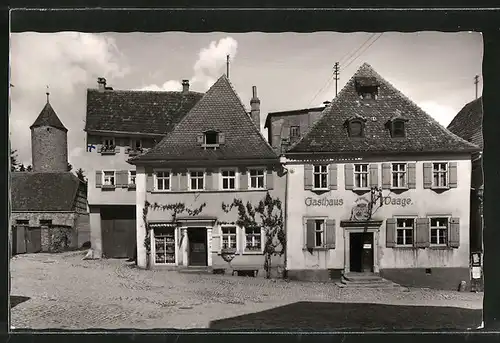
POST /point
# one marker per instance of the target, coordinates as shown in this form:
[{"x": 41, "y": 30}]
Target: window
[
  {"x": 108, "y": 145},
  {"x": 108, "y": 178},
  {"x": 404, "y": 231},
  {"x": 256, "y": 178},
  {"x": 162, "y": 180},
  {"x": 439, "y": 231},
  {"x": 228, "y": 179},
  {"x": 399, "y": 175},
  {"x": 319, "y": 231},
  {"x": 196, "y": 180},
  {"x": 45, "y": 222},
  {"x": 228, "y": 237},
  {"x": 356, "y": 128},
  {"x": 131, "y": 177},
  {"x": 23, "y": 222},
  {"x": 164, "y": 238},
  {"x": 211, "y": 138},
  {"x": 136, "y": 144},
  {"x": 320, "y": 174},
  {"x": 361, "y": 176},
  {"x": 368, "y": 95},
  {"x": 440, "y": 174},
  {"x": 294, "y": 131},
  {"x": 253, "y": 239},
  {"x": 398, "y": 128}
]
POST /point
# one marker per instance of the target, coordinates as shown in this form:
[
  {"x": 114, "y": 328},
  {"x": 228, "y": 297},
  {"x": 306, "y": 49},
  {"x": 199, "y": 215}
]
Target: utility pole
[
  {"x": 227, "y": 66},
  {"x": 336, "y": 77},
  {"x": 476, "y": 81}
]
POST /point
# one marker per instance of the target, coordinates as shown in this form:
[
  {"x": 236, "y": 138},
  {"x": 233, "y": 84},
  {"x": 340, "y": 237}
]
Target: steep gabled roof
[
  {"x": 468, "y": 123},
  {"x": 32, "y": 191},
  {"x": 423, "y": 133},
  {"x": 220, "y": 110},
  {"x": 137, "y": 111},
  {"x": 48, "y": 117}
]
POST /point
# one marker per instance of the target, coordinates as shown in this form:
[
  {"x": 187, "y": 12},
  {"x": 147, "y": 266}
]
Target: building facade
[
  {"x": 214, "y": 156},
  {"x": 49, "y": 204},
  {"x": 121, "y": 124},
  {"x": 377, "y": 186}
]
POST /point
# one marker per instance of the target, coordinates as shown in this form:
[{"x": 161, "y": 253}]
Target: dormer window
[
  {"x": 135, "y": 146},
  {"x": 356, "y": 126},
  {"x": 367, "y": 87},
  {"x": 398, "y": 128},
  {"x": 211, "y": 139}
]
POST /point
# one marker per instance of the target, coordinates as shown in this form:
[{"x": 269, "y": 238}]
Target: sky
[{"x": 290, "y": 70}]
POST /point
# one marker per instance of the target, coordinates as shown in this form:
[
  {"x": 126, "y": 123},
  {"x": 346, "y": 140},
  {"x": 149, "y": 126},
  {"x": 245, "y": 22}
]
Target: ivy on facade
[
  {"x": 175, "y": 209},
  {"x": 268, "y": 216}
]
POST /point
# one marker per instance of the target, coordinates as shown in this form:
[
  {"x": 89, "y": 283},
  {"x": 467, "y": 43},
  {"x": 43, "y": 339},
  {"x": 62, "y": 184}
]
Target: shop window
[
  {"x": 399, "y": 175},
  {"x": 253, "y": 237},
  {"x": 228, "y": 238},
  {"x": 162, "y": 180},
  {"x": 228, "y": 179},
  {"x": 440, "y": 175},
  {"x": 320, "y": 174},
  {"x": 257, "y": 178},
  {"x": 439, "y": 231},
  {"x": 405, "y": 228},
  {"x": 164, "y": 245},
  {"x": 361, "y": 176}
]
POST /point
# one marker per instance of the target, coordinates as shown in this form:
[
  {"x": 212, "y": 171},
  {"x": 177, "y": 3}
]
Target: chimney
[
  {"x": 185, "y": 86},
  {"x": 326, "y": 103},
  {"x": 255, "y": 107},
  {"x": 101, "y": 81}
]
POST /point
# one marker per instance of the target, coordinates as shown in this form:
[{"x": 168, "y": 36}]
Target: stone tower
[{"x": 49, "y": 142}]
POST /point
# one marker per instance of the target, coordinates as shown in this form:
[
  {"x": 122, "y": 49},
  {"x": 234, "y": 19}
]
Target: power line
[
  {"x": 342, "y": 61},
  {"x": 373, "y": 42}
]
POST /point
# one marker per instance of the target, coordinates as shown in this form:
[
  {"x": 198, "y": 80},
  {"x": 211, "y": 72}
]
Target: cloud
[
  {"x": 68, "y": 62},
  {"x": 443, "y": 114},
  {"x": 207, "y": 68}
]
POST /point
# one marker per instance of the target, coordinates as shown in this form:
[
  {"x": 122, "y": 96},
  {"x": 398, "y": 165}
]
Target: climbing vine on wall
[
  {"x": 175, "y": 209},
  {"x": 268, "y": 216}
]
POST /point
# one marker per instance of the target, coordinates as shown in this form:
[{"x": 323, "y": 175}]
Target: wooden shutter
[
  {"x": 149, "y": 182},
  {"x": 98, "y": 179},
  {"x": 452, "y": 175},
  {"x": 390, "y": 232},
  {"x": 310, "y": 233},
  {"x": 308, "y": 177},
  {"x": 215, "y": 243},
  {"x": 98, "y": 148},
  {"x": 412, "y": 175},
  {"x": 175, "y": 181},
  {"x": 330, "y": 233},
  {"x": 117, "y": 149},
  {"x": 244, "y": 174},
  {"x": 183, "y": 181},
  {"x": 222, "y": 138},
  {"x": 386, "y": 176},
  {"x": 121, "y": 178},
  {"x": 332, "y": 176},
  {"x": 349, "y": 176},
  {"x": 269, "y": 179},
  {"x": 373, "y": 175},
  {"x": 209, "y": 180},
  {"x": 200, "y": 138},
  {"x": 427, "y": 175},
  {"x": 422, "y": 233},
  {"x": 454, "y": 241}
]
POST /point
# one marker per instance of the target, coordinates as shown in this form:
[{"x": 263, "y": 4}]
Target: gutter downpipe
[{"x": 283, "y": 161}]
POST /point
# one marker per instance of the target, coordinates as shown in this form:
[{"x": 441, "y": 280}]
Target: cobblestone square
[{"x": 67, "y": 292}]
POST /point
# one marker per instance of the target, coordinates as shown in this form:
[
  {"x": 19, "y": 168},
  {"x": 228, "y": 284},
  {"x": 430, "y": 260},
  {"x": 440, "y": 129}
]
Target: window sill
[
  {"x": 320, "y": 189},
  {"x": 440, "y": 188},
  {"x": 404, "y": 247},
  {"x": 228, "y": 252},
  {"x": 108, "y": 186},
  {"x": 399, "y": 188},
  {"x": 440, "y": 247},
  {"x": 257, "y": 189},
  {"x": 162, "y": 191},
  {"x": 316, "y": 249},
  {"x": 253, "y": 252}
]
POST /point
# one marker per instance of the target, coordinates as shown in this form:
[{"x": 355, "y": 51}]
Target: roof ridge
[{"x": 141, "y": 91}]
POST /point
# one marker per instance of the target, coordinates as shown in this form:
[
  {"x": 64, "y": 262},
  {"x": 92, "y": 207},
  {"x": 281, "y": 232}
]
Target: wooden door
[
  {"x": 197, "y": 246},
  {"x": 34, "y": 240},
  {"x": 118, "y": 237},
  {"x": 367, "y": 259}
]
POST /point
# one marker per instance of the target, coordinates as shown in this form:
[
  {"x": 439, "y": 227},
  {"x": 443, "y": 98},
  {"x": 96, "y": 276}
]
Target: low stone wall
[{"x": 438, "y": 278}]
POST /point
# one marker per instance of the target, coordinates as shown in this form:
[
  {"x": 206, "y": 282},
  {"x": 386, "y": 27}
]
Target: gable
[{"x": 468, "y": 123}]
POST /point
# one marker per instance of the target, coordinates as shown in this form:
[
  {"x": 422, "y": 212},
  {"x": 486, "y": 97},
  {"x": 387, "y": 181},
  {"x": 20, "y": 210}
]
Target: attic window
[
  {"x": 211, "y": 139},
  {"x": 356, "y": 128},
  {"x": 398, "y": 128},
  {"x": 367, "y": 87}
]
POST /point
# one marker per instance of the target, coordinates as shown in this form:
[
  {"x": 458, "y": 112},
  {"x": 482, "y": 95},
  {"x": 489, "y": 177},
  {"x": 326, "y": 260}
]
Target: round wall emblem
[{"x": 361, "y": 210}]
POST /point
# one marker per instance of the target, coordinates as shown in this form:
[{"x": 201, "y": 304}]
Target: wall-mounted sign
[
  {"x": 397, "y": 201},
  {"x": 326, "y": 202},
  {"x": 367, "y": 246},
  {"x": 361, "y": 210}
]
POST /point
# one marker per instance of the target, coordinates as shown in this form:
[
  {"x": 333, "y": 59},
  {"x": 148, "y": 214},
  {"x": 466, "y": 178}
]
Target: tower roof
[{"x": 48, "y": 117}]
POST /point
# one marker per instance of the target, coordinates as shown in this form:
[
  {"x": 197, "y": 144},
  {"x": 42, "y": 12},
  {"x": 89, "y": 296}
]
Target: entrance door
[
  {"x": 197, "y": 246},
  {"x": 361, "y": 252},
  {"x": 34, "y": 240}
]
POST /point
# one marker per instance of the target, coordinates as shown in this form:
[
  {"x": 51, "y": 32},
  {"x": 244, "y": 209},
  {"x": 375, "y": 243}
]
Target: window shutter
[
  {"x": 422, "y": 234},
  {"x": 454, "y": 241},
  {"x": 452, "y": 175},
  {"x": 390, "y": 232},
  {"x": 243, "y": 178},
  {"x": 117, "y": 149},
  {"x": 215, "y": 243},
  {"x": 308, "y": 177},
  {"x": 332, "y": 176},
  {"x": 121, "y": 178},
  {"x": 175, "y": 181},
  {"x": 98, "y": 148},
  {"x": 98, "y": 179},
  {"x": 373, "y": 175},
  {"x": 349, "y": 176},
  {"x": 200, "y": 138},
  {"x": 222, "y": 138},
  {"x": 310, "y": 234},
  {"x": 149, "y": 182},
  {"x": 269, "y": 179},
  {"x": 209, "y": 180},
  {"x": 330, "y": 233},
  {"x": 412, "y": 175},
  {"x": 427, "y": 175},
  {"x": 386, "y": 175},
  {"x": 183, "y": 181}
]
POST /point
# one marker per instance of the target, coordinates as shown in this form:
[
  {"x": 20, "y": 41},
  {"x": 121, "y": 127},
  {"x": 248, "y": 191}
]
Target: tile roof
[
  {"x": 468, "y": 123},
  {"x": 33, "y": 191},
  {"x": 48, "y": 117},
  {"x": 137, "y": 111},
  {"x": 290, "y": 112},
  {"x": 221, "y": 110},
  {"x": 423, "y": 133}
]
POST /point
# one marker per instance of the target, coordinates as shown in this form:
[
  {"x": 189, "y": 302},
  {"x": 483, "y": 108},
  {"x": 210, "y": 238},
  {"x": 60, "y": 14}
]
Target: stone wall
[
  {"x": 58, "y": 218},
  {"x": 49, "y": 148}
]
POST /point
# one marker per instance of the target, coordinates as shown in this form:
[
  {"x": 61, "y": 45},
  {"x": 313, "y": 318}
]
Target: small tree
[
  {"x": 13, "y": 160},
  {"x": 269, "y": 218},
  {"x": 80, "y": 174},
  {"x": 22, "y": 167}
]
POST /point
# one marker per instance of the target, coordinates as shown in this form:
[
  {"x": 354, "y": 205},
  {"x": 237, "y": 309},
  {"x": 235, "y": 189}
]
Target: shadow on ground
[
  {"x": 16, "y": 300},
  {"x": 354, "y": 317}
]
